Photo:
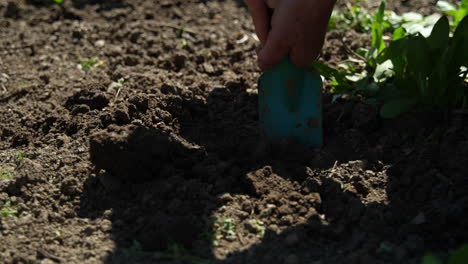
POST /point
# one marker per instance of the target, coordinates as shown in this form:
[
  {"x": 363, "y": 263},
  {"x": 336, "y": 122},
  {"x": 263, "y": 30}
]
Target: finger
[
  {"x": 261, "y": 18},
  {"x": 275, "y": 49},
  {"x": 309, "y": 42},
  {"x": 306, "y": 50}
]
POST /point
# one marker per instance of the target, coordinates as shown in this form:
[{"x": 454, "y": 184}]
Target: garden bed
[{"x": 129, "y": 135}]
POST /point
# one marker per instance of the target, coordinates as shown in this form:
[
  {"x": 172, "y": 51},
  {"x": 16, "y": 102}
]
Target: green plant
[
  {"x": 220, "y": 228},
  {"x": 180, "y": 31},
  {"x": 183, "y": 43},
  {"x": 57, "y": 1},
  {"x": 353, "y": 16},
  {"x": 426, "y": 71},
  {"x": 413, "y": 70},
  {"x": 456, "y": 12},
  {"x": 259, "y": 226},
  {"x": 20, "y": 156},
  {"x": 460, "y": 256},
  {"x": 227, "y": 227},
  {"x": 90, "y": 64},
  {"x": 8, "y": 210},
  {"x": 4, "y": 174}
]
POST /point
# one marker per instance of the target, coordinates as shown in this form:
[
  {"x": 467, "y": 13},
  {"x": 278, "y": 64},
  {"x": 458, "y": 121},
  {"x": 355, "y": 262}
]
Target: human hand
[{"x": 296, "y": 29}]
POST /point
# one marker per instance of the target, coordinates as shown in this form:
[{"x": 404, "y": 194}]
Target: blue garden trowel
[{"x": 290, "y": 105}]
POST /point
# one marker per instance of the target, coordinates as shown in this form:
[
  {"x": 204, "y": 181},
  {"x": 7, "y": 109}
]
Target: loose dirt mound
[{"x": 141, "y": 145}]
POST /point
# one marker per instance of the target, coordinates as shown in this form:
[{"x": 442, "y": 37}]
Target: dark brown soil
[{"x": 153, "y": 155}]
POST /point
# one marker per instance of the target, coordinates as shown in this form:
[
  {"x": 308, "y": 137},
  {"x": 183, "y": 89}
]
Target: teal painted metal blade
[{"x": 290, "y": 104}]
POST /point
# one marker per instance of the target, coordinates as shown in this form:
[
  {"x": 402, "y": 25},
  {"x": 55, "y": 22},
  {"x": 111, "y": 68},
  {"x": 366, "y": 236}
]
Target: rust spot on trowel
[{"x": 312, "y": 122}]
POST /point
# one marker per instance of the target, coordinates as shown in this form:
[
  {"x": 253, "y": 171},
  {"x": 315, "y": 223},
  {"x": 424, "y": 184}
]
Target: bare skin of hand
[{"x": 296, "y": 29}]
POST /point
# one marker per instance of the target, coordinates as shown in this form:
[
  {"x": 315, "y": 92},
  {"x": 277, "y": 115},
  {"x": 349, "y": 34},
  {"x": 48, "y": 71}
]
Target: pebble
[
  {"x": 106, "y": 225},
  {"x": 285, "y": 210},
  {"x": 47, "y": 261},
  {"x": 208, "y": 67},
  {"x": 100, "y": 43},
  {"x": 226, "y": 197}
]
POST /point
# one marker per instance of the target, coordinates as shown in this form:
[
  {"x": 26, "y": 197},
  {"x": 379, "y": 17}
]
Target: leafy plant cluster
[
  {"x": 361, "y": 20},
  {"x": 456, "y": 12},
  {"x": 4, "y": 175},
  {"x": 413, "y": 70},
  {"x": 8, "y": 210}
]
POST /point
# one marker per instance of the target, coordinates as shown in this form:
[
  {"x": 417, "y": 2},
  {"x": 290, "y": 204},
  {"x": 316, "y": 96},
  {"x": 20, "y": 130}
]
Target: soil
[{"x": 152, "y": 154}]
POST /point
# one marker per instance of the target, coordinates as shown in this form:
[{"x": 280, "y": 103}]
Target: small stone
[
  {"x": 106, "y": 225},
  {"x": 4, "y": 78},
  {"x": 231, "y": 238},
  {"x": 247, "y": 206},
  {"x": 47, "y": 261},
  {"x": 208, "y": 67},
  {"x": 226, "y": 198},
  {"x": 274, "y": 228},
  {"x": 358, "y": 164},
  {"x": 100, "y": 43},
  {"x": 295, "y": 196},
  {"x": 266, "y": 212},
  {"x": 287, "y": 220},
  {"x": 285, "y": 210}
]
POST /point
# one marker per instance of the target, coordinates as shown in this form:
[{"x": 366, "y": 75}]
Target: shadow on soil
[{"x": 219, "y": 145}]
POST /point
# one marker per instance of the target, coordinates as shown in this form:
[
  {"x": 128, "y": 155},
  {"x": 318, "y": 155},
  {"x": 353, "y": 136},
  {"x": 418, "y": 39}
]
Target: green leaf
[
  {"x": 445, "y": 6},
  {"x": 396, "y": 107},
  {"x": 460, "y": 256},
  {"x": 338, "y": 78},
  {"x": 399, "y": 33},
  {"x": 412, "y": 17},
  {"x": 379, "y": 17},
  {"x": 440, "y": 34},
  {"x": 430, "y": 259},
  {"x": 418, "y": 61},
  {"x": 460, "y": 40},
  {"x": 383, "y": 71},
  {"x": 395, "y": 49},
  {"x": 377, "y": 36}
]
